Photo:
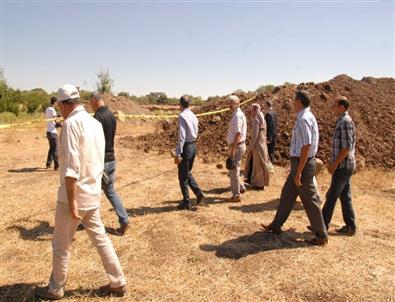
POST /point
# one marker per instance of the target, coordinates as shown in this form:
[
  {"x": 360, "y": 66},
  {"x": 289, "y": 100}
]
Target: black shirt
[
  {"x": 271, "y": 125},
  {"x": 109, "y": 123}
]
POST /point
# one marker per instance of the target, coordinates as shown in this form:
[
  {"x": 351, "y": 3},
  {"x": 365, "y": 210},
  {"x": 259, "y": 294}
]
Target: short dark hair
[
  {"x": 304, "y": 97},
  {"x": 97, "y": 95},
  {"x": 184, "y": 101},
  {"x": 342, "y": 101},
  {"x": 53, "y": 100}
]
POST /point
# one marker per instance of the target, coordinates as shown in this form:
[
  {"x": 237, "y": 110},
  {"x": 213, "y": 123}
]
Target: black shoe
[
  {"x": 47, "y": 166},
  {"x": 199, "y": 199},
  {"x": 346, "y": 230},
  {"x": 80, "y": 227},
  {"x": 318, "y": 241},
  {"x": 185, "y": 205},
  {"x": 270, "y": 228}
]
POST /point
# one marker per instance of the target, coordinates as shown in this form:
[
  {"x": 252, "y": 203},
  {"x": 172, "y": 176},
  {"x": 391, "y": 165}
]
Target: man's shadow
[
  {"x": 36, "y": 233},
  {"x": 28, "y": 170},
  {"x": 25, "y": 292},
  {"x": 257, "y": 242},
  {"x": 270, "y": 205}
]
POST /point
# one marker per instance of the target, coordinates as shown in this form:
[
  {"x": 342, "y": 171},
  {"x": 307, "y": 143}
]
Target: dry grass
[{"x": 214, "y": 254}]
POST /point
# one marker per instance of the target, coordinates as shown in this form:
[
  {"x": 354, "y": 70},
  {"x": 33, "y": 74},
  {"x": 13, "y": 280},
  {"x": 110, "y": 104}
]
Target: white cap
[
  {"x": 67, "y": 92},
  {"x": 233, "y": 98}
]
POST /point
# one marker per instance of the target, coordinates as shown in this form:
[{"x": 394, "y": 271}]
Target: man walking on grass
[
  {"x": 300, "y": 181},
  {"x": 81, "y": 158},
  {"x": 237, "y": 135},
  {"x": 342, "y": 167},
  {"x": 188, "y": 128},
  {"x": 109, "y": 123}
]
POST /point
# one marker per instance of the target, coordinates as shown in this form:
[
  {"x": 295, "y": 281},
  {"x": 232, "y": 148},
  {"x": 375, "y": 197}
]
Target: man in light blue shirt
[
  {"x": 188, "y": 128},
  {"x": 300, "y": 181}
]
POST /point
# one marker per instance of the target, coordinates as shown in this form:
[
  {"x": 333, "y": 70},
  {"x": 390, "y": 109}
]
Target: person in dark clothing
[
  {"x": 52, "y": 136},
  {"x": 271, "y": 129},
  {"x": 109, "y": 123}
]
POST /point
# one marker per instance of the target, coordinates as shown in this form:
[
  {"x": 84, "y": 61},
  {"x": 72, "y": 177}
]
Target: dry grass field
[{"x": 217, "y": 253}]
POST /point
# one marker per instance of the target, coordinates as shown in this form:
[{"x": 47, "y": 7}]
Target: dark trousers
[
  {"x": 53, "y": 150},
  {"x": 340, "y": 188},
  {"x": 185, "y": 176},
  {"x": 270, "y": 149},
  {"x": 307, "y": 193}
]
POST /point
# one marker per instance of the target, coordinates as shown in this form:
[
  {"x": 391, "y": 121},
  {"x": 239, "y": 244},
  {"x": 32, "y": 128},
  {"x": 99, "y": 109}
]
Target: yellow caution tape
[{"x": 130, "y": 116}]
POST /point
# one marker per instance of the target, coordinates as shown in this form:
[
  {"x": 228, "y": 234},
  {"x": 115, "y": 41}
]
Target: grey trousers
[
  {"x": 307, "y": 193},
  {"x": 235, "y": 184}
]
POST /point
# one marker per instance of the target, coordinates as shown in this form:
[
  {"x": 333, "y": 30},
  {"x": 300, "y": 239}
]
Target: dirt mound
[
  {"x": 372, "y": 110},
  {"x": 127, "y": 106}
]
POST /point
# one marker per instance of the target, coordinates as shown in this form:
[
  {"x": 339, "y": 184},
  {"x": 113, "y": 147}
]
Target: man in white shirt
[
  {"x": 50, "y": 113},
  {"x": 236, "y": 140},
  {"x": 81, "y": 158}
]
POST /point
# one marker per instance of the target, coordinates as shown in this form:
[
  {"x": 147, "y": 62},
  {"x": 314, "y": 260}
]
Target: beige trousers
[
  {"x": 65, "y": 228},
  {"x": 235, "y": 183}
]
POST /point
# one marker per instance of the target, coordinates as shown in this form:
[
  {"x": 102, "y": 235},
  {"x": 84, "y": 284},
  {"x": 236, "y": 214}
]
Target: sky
[{"x": 201, "y": 48}]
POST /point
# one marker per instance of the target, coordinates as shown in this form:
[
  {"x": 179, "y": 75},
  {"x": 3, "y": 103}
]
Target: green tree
[{"x": 105, "y": 83}]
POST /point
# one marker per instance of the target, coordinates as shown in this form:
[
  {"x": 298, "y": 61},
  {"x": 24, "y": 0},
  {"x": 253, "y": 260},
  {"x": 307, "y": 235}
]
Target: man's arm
[
  {"x": 233, "y": 147},
  {"x": 181, "y": 139},
  {"x": 304, "y": 155},
  {"x": 71, "y": 188},
  {"x": 342, "y": 155}
]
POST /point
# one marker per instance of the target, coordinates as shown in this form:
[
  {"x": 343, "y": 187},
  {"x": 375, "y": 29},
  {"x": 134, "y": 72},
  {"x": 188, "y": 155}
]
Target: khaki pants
[
  {"x": 235, "y": 183},
  {"x": 65, "y": 228}
]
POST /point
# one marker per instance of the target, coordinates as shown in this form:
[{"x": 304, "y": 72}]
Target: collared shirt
[
  {"x": 305, "y": 132},
  {"x": 50, "y": 112},
  {"x": 109, "y": 123},
  {"x": 238, "y": 124},
  {"x": 81, "y": 156},
  {"x": 344, "y": 137},
  {"x": 188, "y": 128}
]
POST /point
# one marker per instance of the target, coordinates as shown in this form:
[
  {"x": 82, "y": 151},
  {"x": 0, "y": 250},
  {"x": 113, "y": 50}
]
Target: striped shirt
[
  {"x": 344, "y": 137},
  {"x": 305, "y": 132},
  {"x": 188, "y": 128}
]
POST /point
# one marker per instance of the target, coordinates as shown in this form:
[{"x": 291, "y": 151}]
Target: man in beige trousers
[
  {"x": 81, "y": 158},
  {"x": 237, "y": 135}
]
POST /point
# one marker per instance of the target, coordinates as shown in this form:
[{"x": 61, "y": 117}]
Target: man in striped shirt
[
  {"x": 300, "y": 181},
  {"x": 342, "y": 167}
]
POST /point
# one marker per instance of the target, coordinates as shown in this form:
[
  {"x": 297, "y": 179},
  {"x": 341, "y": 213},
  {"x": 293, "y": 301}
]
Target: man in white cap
[
  {"x": 236, "y": 140},
  {"x": 81, "y": 159}
]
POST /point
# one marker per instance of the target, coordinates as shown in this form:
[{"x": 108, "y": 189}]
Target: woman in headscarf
[{"x": 257, "y": 169}]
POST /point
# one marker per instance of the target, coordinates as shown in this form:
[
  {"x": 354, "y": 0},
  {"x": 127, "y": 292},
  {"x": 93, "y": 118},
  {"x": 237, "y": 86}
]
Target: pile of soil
[
  {"x": 372, "y": 108},
  {"x": 121, "y": 103}
]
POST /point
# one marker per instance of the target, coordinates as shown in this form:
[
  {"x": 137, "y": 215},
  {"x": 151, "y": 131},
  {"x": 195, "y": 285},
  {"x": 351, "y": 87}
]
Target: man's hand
[
  {"x": 332, "y": 168},
  {"x": 232, "y": 152},
  {"x": 177, "y": 160},
  {"x": 73, "y": 208},
  {"x": 297, "y": 180}
]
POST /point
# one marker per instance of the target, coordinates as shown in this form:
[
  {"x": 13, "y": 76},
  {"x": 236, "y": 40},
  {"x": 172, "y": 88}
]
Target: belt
[
  {"x": 297, "y": 158},
  {"x": 189, "y": 143},
  {"x": 243, "y": 142}
]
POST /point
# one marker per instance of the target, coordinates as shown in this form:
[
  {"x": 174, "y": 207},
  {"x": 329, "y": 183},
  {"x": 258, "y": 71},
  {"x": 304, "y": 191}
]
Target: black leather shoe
[
  {"x": 318, "y": 241},
  {"x": 185, "y": 206},
  {"x": 199, "y": 199},
  {"x": 346, "y": 230},
  {"x": 270, "y": 228}
]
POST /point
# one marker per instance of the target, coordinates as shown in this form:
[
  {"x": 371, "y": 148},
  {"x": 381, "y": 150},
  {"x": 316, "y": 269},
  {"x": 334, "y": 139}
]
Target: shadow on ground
[
  {"x": 29, "y": 170},
  {"x": 24, "y": 292},
  {"x": 256, "y": 243},
  {"x": 270, "y": 205},
  {"x": 42, "y": 229}
]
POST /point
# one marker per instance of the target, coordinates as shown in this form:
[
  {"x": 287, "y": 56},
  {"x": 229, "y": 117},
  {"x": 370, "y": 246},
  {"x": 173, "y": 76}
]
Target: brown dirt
[
  {"x": 214, "y": 254},
  {"x": 372, "y": 110},
  {"x": 116, "y": 103}
]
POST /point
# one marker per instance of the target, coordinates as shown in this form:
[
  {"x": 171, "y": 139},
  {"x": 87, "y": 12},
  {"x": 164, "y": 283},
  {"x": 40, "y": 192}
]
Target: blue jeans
[
  {"x": 340, "y": 188},
  {"x": 111, "y": 194}
]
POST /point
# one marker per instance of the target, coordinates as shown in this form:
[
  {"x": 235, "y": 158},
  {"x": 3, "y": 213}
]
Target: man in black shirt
[
  {"x": 271, "y": 128},
  {"x": 109, "y": 123}
]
